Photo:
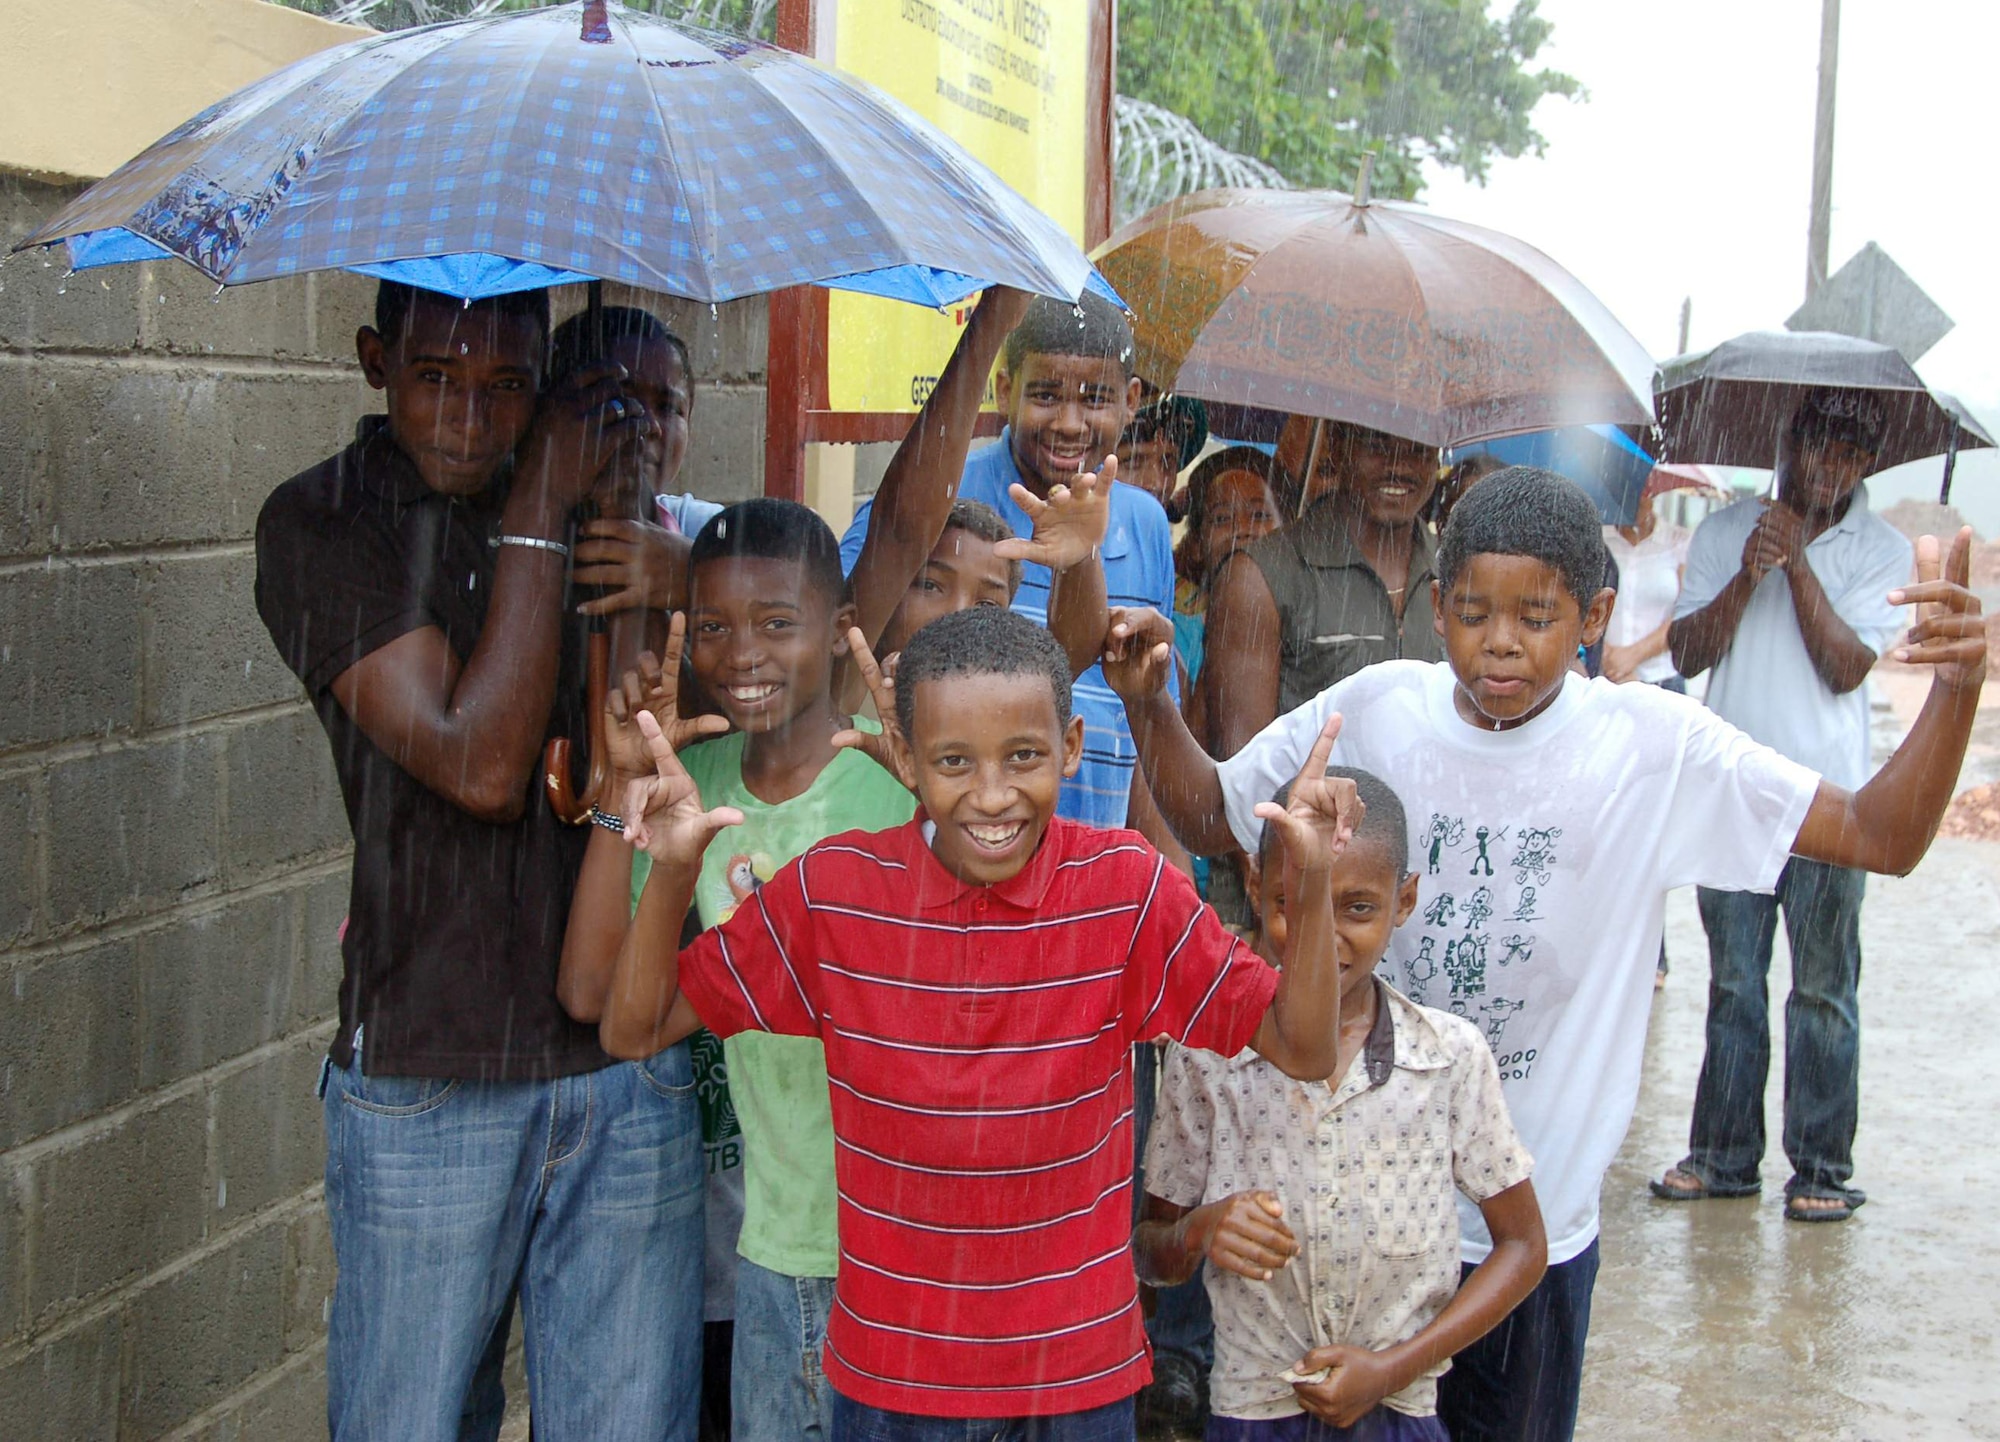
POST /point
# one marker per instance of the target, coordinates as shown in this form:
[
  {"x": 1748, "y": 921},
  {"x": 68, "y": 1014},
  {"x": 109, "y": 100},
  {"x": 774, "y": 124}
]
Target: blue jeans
[
  {"x": 857, "y": 1422},
  {"x": 1522, "y": 1380},
  {"x": 1181, "y": 1324},
  {"x": 448, "y": 1198},
  {"x": 776, "y": 1387},
  {"x": 1822, "y": 906}
]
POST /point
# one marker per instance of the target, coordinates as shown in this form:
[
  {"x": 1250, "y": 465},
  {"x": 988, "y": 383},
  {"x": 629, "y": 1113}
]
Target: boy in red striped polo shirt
[{"x": 978, "y": 977}]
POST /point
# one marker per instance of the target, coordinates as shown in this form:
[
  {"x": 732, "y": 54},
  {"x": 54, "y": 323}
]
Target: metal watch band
[{"x": 533, "y": 543}]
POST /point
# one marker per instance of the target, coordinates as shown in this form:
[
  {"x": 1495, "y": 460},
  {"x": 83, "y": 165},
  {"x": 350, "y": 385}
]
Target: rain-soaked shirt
[
  {"x": 1367, "y": 1170},
  {"x": 1138, "y": 571},
  {"x": 1334, "y": 614},
  {"x": 455, "y": 925},
  {"x": 978, "y": 1053},
  {"x": 1545, "y": 855}
]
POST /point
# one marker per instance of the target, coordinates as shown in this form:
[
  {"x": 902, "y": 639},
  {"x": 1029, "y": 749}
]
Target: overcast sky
[{"x": 1687, "y": 170}]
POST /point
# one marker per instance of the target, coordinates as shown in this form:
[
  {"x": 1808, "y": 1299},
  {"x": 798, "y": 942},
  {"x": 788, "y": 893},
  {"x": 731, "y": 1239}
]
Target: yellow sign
[{"x": 1006, "y": 79}]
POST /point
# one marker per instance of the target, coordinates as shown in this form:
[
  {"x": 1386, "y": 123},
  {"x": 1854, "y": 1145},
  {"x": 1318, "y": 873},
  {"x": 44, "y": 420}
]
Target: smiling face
[
  {"x": 1511, "y": 628},
  {"x": 461, "y": 388},
  {"x": 1237, "y": 510},
  {"x": 1065, "y": 414},
  {"x": 990, "y": 756},
  {"x": 762, "y": 640},
  {"x": 1370, "y": 900},
  {"x": 960, "y": 573}
]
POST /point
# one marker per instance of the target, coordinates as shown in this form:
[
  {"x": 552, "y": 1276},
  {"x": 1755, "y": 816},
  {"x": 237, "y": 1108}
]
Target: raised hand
[
  {"x": 1950, "y": 633},
  {"x": 885, "y": 747},
  {"x": 663, "y": 811},
  {"x": 1138, "y": 653},
  {"x": 654, "y": 688},
  {"x": 1069, "y": 526},
  {"x": 636, "y": 562},
  {"x": 1341, "y": 1383},
  {"x": 578, "y": 428},
  {"x": 1245, "y": 1234},
  {"x": 1319, "y": 820}
]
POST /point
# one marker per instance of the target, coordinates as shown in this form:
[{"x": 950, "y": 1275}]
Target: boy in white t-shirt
[{"x": 1549, "y": 817}]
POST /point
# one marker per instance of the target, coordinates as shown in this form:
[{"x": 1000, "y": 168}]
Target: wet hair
[
  {"x": 394, "y": 301},
  {"x": 1462, "y": 477},
  {"x": 1093, "y": 327},
  {"x": 573, "y": 347},
  {"x": 1382, "y": 824},
  {"x": 1527, "y": 511},
  {"x": 976, "y": 518},
  {"x": 1180, "y": 420},
  {"x": 768, "y": 529},
  {"x": 984, "y": 641}
]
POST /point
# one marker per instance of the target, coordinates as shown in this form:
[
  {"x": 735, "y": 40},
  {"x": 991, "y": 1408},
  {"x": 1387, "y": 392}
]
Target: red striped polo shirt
[{"x": 978, "y": 1043}]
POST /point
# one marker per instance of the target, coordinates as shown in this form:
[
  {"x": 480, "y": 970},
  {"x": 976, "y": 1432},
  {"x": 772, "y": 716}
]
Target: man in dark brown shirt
[{"x": 479, "y": 1143}]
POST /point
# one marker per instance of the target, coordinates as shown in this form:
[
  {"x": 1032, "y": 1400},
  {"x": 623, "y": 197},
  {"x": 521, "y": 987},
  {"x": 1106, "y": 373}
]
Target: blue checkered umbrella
[{"x": 585, "y": 142}]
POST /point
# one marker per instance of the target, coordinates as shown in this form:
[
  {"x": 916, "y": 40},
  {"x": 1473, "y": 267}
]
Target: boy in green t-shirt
[{"x": 766, "y": 633}]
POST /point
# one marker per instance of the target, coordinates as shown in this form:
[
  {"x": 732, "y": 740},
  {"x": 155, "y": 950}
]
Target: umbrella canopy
[
  {"x": 1381, "y": 314},
  {"x": 582, "y": 142},
  {"x": 1729, "y": 406},
  {"x": 1609, "y": 465}
]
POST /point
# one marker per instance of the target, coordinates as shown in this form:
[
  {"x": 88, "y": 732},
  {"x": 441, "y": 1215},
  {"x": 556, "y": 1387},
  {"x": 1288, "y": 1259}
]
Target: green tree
[{"x": 1308, "y": 85}]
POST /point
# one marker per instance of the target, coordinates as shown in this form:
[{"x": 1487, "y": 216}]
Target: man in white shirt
[{"x": 1784, "y": 602}]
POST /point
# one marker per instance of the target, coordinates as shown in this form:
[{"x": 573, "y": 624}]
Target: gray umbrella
[{"x": 1729, "y": 406}]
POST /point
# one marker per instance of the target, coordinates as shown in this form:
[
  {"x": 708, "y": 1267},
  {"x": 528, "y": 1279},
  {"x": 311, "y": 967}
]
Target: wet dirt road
[{"x": 1721, "y": 1319}]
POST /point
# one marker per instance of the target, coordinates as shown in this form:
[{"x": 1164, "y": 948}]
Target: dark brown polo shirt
[
  {"x": 455, "y": 926},
  {"x": 1334, "y": 614}
]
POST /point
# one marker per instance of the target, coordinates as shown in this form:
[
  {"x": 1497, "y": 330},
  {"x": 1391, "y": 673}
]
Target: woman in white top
[{"x": 1650, "y": 559}]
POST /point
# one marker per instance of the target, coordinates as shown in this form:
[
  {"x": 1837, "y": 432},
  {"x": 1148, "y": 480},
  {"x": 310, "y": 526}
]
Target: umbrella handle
[
  {"x": 572, "y": 807},
  {"x": 1950, "y": 465}
]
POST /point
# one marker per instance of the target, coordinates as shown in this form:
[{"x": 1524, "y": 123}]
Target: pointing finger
[{"x": 1322, "y": 750}]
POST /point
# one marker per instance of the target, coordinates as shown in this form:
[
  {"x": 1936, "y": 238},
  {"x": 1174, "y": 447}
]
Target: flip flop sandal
[
  {"x": 1795, "y": 1213},
  {"x": 1701, "y": 1191}
]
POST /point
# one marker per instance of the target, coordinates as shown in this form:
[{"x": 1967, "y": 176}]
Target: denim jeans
[
  {"x": 856, "y": 1422},
  {"x": 448, "y": 1198},
  {"x": 1181, "y": 1324},
  {"x": 776, "y": 1386},
  {"x": 1822, "y": 906},
  {"x": 1380, "y": 1425},
  {"x": 1521, "y": 1382}
]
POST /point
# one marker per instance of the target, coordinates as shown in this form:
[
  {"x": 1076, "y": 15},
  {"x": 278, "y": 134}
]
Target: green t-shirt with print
[{"x": 778, "y": 1083}]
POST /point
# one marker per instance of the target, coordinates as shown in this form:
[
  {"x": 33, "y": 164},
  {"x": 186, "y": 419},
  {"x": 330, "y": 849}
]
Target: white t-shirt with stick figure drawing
[{"x": 1545, "y": 855}]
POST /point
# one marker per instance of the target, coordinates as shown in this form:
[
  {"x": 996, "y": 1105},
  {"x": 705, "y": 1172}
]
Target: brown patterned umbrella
[{"x": 1378, "y": 313}]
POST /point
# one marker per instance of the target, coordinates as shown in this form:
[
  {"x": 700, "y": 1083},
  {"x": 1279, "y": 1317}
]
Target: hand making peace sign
[{"x": 653, "y": 688}]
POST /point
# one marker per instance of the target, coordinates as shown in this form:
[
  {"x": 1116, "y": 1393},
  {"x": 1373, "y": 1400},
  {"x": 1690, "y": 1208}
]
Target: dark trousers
[
  {"x": 1520, "y": 1382},
  {"x": 1181, "y": 1324},
  {"x": 858, "y": 1422},
  {"x": 1822, "y": 906}
]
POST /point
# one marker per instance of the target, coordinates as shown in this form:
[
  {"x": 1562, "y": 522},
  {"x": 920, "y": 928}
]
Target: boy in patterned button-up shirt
[{"x": 1326, "y": 1209}]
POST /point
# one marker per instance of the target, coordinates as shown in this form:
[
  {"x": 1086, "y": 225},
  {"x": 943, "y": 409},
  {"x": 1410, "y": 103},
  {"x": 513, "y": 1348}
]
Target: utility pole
[
  {"x": 1687, "y": 319},
  {"x": 1820, "y": 233}
]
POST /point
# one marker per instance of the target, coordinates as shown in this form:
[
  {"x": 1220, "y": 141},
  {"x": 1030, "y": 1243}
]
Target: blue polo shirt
[{"x": 1138, "y": 571}]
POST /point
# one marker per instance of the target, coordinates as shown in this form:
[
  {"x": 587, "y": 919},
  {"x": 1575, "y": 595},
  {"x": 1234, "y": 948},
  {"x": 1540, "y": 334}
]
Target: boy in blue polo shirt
[{"x": 1068, "y": 389}]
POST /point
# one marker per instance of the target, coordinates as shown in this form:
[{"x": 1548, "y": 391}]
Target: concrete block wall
[{"x": 173, "y": 850}]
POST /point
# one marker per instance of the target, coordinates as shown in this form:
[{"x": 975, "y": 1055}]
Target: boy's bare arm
[
  {"x": 1359, "y": 1379},
  {"x": 1889, "y": 823},
  {"x": 1300, "y": 1033},
  {"x": 1181, "y": 776},
  {"x": 1245, "y": 1234},
  {"x": 599, "y": 912},
  {"x": 473, "y": 732},
  {"x": 1240, "y": 672},
  {"x": 663, "y": 813},
  {"x": 922, "y": 480},
  {"x": 1069, "y": 529},
  {"x": 1142, "y": 816}
]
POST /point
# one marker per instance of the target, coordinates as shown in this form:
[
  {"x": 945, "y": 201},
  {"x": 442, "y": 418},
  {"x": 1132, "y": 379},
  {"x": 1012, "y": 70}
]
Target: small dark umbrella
[{"x": 1729, "y": 406}]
